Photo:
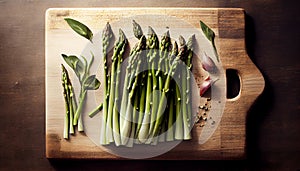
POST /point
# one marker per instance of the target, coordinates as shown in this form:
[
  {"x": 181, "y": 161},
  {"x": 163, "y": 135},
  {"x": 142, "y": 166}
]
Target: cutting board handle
[{"x": 251, "y": 86}]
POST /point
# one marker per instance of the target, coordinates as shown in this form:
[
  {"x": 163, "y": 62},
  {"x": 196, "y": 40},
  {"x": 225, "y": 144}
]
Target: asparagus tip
[
  {"x": 150, "y": 30},
  {"x": 191, "y": 41},
  {"x": 181, "y": 41},
  {"x": 137, "y": 30}
]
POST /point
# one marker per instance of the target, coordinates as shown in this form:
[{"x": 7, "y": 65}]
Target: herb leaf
[
  {"x": 80, "y": 28},
  {"x": 91, "y": 83},
  {"x": 210, "y": 35},
  {"x": 75, "y": 63}
]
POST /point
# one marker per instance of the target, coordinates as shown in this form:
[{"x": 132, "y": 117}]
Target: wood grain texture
[{"x": 228, "y": 141}]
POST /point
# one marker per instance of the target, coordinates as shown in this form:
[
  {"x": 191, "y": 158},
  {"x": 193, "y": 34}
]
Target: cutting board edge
[{"x": 50, "y": 152}]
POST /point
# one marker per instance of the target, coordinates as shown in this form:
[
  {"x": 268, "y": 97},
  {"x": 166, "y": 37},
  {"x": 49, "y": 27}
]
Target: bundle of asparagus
[
  {"x": 146, "y": 112},
  {"x": 154, "y": 103}
]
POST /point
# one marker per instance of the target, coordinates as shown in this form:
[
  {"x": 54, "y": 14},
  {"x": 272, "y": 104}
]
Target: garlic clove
[
  {"x": 205, "y": 86},
  {"x": 208, "y": 64}
]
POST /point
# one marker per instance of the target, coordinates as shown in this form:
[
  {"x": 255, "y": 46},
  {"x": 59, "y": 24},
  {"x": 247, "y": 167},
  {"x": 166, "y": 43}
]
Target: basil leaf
[
  {"x": 210, "y": 35},
  {"x": 75, "y": 63},
  {"x": 80, "y": 28},
  {"x": 91, "y": 83}
]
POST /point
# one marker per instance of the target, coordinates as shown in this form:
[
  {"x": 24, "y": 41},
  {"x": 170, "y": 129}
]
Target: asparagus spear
[
  {"x": 132, "y": 57},
  {"x": 172, "y": 97},
  {"x": 164, "y": 52},
  {"x": 178, "y": 119},
  {"x": 116, "y": 126},
  {"x": 152, "y": 46},
  {"x": 135, "y": 89},
  {"x": 137, "y": 30},
  {"x": 128, "y": 91},
  {"x": 112, "y": 119},
  {"x": 186, "y": 119},
  {"x": 96, "y": 110},
  {"x": 188, "y": 90},
  {"x": 65, "y": 79},
  {"x": 134, "y": 120},
  {"x": 107, "y": 36},
  {"x": 165, "y": 91}
]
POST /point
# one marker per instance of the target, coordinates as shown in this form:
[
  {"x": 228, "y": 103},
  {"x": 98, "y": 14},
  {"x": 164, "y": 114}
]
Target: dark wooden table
[{"x": 273, "y": 43}]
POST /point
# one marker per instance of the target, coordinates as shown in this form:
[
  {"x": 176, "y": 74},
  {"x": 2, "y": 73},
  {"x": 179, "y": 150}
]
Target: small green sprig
[
  {"x": 87, "y": 82},
  {"x": 210, "y": 35}
]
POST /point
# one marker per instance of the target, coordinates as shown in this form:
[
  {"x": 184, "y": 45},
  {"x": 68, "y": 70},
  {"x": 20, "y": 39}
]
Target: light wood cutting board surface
[{"x": 227, "y": 141}]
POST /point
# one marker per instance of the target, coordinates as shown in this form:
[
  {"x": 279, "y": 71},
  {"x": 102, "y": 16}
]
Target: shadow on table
[{"x": 257, "y": 113}]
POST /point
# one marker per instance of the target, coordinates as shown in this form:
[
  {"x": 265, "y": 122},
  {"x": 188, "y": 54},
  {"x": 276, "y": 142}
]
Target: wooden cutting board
[{"x": 227, "y": 140}]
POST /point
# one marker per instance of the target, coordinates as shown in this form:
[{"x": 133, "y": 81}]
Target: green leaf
[
  {"x": 91, "y": 83},
  {"x": 75, "y": 63},
  {"x": 210, "y": 35},
  {"x": 80, "y": 28}
]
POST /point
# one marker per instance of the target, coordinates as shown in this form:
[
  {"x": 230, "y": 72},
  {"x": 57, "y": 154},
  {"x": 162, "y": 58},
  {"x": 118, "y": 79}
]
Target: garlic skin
[
  {"x": 206, "y": 84},
  {"x": 208, "y": 64}
]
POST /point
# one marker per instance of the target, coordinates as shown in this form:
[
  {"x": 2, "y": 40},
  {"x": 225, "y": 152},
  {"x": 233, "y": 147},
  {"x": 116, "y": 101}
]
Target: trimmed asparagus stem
[
  {"x": 152, "y": 46},
  {"x": 109, "y": 133},
  {"x": 164, "y": 52},
  {"x": 162, "y": 102},
  {"x": 107, "y": 36},
  {"x": 123, "y": 110},
  {"x": 188, "y": 104},
  {"x": 186, "y": 119},
  {"x": 137, "y": 30},
  {"x": 186, "y": 128},
  {"x": 144, "y": 130},
  {"x": 141, "y": 106},
  {"x": 71, "y": 129},
  {"x": 112, "y": 129},
  {"x": 153, "y": 61},
  {"x": 80, "y": 124},
  {"x": 135, "y": 58},
  {"x": 77, "y": 117},
  {"x": 126, "y": 128},
  {"x": 172, "y": 97},
  {"x": 134, "y": 120},
  {"x": 116, "y": 126},
  {"x": 170, "y": 131},
  {"x": 165, "y": 91},
  {"x": 79, "y": 111},
  {"x": 178, "y": 121},
  {"x": 65, "y": 84},
  {"x": 66, "y": 127},
  {"x": 96, "y": 110},
  {"x": 73, "y": 107},
  {"x": 162, "y": 136},
  {"x": 66, "y": 120}
]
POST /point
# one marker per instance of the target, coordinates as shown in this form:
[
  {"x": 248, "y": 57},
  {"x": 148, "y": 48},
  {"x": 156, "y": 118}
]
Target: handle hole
[{"x": 233, "y": 83}]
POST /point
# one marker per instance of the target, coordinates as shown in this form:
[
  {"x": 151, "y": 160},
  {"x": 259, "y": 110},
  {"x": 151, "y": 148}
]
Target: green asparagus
[
  {"x": 126, "y": 106},
  {"x": 112, "y": 127},
  {"x": 152, "y": 52},
  {"x": 107, "y": 36},
  {"x": 162, "y": 101}
]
